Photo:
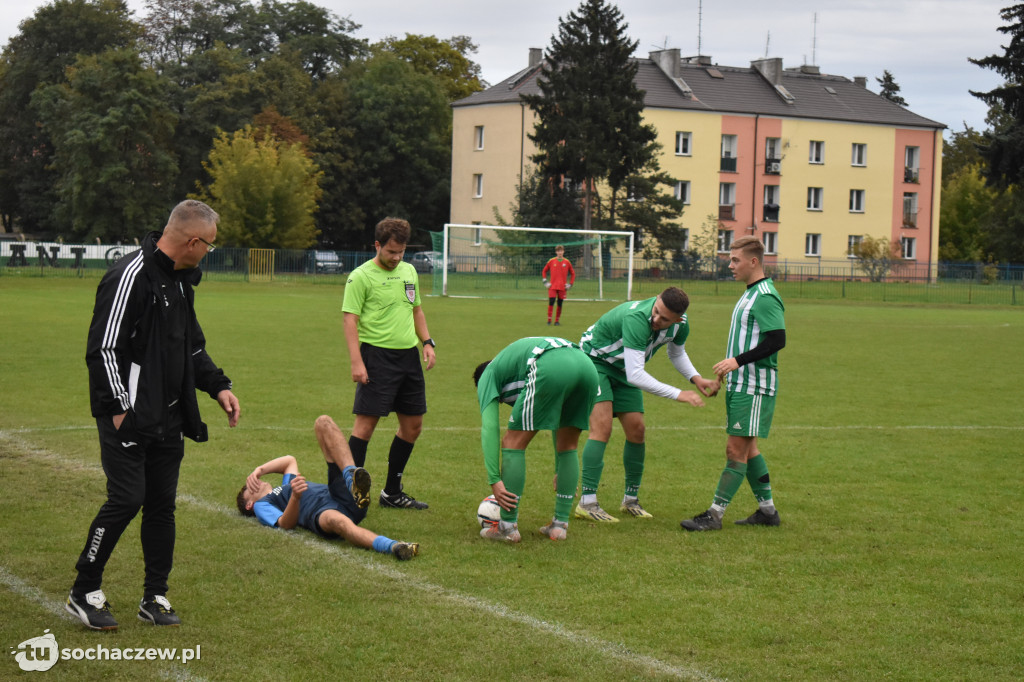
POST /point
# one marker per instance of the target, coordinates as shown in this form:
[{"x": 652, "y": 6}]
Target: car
[
  {"x": 428, "y": 261},
  {"x": 327, "y": 262}
]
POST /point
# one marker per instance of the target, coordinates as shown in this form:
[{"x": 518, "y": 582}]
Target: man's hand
[
  {"x": 229, "y": 403},
  {"x": 429, "y": 356},
  {"x": 690, "y": 397},
  {"x": 252, "y": 481},
  {"x": 568, "y": 286},
  {"x": 299, "y": 485},
  {"x": 709, "y": 387},
  {"x": 546, "y": 285},
  {"x": 359, "y": 374},
  {"x": 119, "y": 419},
  {"x": 506, "y": 500},
  {"x": 724, "y": 367}
]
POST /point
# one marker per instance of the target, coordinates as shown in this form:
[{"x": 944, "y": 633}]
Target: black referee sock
[
  {"x": 358, "y": 448},
  {"x": 398, "y": 457}
]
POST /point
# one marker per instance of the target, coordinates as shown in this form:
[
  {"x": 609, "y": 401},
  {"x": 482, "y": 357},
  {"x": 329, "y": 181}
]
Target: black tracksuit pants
[{"x": 141, "y": 474}]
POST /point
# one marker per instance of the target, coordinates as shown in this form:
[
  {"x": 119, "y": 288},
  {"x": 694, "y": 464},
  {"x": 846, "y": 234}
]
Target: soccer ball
[{"x": 488, "y": 513}]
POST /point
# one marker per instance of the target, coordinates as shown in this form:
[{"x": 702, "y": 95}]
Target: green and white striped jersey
[
  {"x": 628, "y": 325},
  {"x": 506, "y": 376},
  {"x": 759, "y": 310}
]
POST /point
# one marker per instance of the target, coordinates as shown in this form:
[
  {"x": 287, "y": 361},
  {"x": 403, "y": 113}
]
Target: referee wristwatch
[{"x": 429, "y": 342}]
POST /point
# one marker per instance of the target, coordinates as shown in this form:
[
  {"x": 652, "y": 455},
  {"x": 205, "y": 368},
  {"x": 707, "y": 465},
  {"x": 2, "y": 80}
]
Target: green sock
[
  {"x": 730, "y": 481},
  {"x": 567, "y": 466},
  {"x": 633, "y": 463},
  {"x": 513, "y": 475},
  {"x": 757, "y": 476},
  {"x": 593, "y": 464}
]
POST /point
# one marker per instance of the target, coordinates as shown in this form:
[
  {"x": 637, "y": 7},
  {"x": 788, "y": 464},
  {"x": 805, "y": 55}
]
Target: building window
[
  {"x": 478, "y": 185},
  {"x": 683, "y": 141},
  {"x": 728, "y": 153},
  {"x": 684, "y": 242},
  {"x": 814, "y": 198},
  {"x": 634, "y": 194},
  {"x": 683, "y": 191},
  {"x": 909, "y": 247},
  {"x": 771, "y": 243},
  {"x": 912, "y": 162},
  {"x": 859, "y": 156},
  {"x": 478, "y": 136},
  {"x": 812, "y": 245},
  {"x": 724, "y": 240},
  {"x": 772, "y": 155},
  {"x": 852, "y": 242},
  {"x": 727, "y": 201},
  {"x": 771, "y": 203},
  {"x": 478, "y": 235},
  {"x": 856, "y": 201},
  {"x": 817, "y": 151},
  {"x": 910, "y": 209}
]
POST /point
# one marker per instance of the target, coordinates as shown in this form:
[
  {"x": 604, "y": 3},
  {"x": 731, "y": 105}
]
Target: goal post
[{"x": 499, "y": 261}]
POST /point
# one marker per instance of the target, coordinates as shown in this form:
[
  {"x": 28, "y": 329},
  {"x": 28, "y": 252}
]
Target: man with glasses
[{"x": 146, "y": 356}]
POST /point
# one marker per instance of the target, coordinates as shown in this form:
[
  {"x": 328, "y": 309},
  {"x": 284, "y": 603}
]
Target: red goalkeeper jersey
[{"x": 558, "y": 270}]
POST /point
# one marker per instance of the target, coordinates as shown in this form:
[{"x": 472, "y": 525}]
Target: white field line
[
  {"x": 368, "y": 562},
  {"x": 169, "y": 671}
]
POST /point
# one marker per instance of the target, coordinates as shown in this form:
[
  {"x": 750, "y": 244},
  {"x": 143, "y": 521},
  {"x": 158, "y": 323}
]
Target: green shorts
[
  {"x": 560, "y": 391},
  {"x": 624, "y": 396},
  {"x": 748, "y": 415}
]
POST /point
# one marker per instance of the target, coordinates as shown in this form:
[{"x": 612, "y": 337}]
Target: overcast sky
[{"x": 924, "y": 43}]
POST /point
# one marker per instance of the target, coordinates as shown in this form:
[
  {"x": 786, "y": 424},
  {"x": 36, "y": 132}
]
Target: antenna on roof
[
  {"x": 700, "y": 20},
  {"x": 767, "y": 43},
  {"x": 814, "y": 41}
]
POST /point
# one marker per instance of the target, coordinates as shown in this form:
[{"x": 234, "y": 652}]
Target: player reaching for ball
[
  {"x": 562, "y": 277},
  {"x": 551, "y": 385},
  {"x": 331, "y": 510}
]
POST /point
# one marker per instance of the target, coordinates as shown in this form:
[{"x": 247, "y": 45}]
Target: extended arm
[
  {"x": 637, "y": 376},
  {"x": 681, "y": 361}
]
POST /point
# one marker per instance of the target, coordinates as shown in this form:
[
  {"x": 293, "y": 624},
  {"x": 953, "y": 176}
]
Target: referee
[{"x": 383, "y": 324}]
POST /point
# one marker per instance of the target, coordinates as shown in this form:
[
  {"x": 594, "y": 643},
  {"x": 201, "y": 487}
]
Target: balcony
[
  {"x": 728, "y": 164},
  {"x": 911, "y": 175},
  {"x": 727, "y": 211},
  {"x": 909, "y": 218},
  {"x": 773, "y": 166},
  {"x": 771, "y": 213}
]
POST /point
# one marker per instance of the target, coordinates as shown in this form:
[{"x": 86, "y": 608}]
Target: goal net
[{"x": 491, "y": 261}]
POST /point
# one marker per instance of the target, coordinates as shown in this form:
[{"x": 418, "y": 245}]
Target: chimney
[
  {"x": 862, "y": 81},
  {"x": 667, "y": 61},
  {"x": 810, "y": 69},
  {"x": 770, "y": 69},
  {"x": 536, "y": 55}
]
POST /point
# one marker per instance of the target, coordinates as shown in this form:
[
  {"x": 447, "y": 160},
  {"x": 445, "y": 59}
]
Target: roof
[{"x": 737, "y": 90}]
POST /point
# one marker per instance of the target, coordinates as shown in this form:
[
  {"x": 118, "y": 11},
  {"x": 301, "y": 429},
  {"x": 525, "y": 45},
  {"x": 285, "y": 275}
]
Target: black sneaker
[
  {"x": 93, "y": 609},
  {"x": 759, "y": 518},
  {"x": 157, "y": 610},
  {"x": 400, "y": 500},
  {"x": 703, "y": 521},
  {"x": 360, "y": 487},
  {"x": 404, "y": 551}
]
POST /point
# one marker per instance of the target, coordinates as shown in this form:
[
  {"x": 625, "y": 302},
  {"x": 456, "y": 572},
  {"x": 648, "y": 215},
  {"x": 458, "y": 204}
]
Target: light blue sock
[
  {"x": 348, "y": 473},
  {"x": 383, "y": 545}
]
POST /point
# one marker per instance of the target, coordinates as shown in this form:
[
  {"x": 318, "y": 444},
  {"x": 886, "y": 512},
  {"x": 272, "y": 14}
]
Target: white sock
[
  {"x": 629, "y": 499},
  {"x": 588, "y": 499},
  {"x": 717, "y": 511},
  {"x": 767, "y": 506}
]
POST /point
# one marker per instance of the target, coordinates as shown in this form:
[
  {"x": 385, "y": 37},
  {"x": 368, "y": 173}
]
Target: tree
[
  {"x": 543, "y": 203},
  {"x": 961, "y": 151},
  {"x": 877, "y": 257},
  {"x": 646, "y": 205},
  {"x": 890, "y": 89},
  {"x": 265, "y": 191},
  {"x": 965, "y": 214},
  {"x": 590, "y": 112},
  {"x": 112, "y": 133},
  {"x": 447, "y": 60},
  {"x": 45, "y": 46}
]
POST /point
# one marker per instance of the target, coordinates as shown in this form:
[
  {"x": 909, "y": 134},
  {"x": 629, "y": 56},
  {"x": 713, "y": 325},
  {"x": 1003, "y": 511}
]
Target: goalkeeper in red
[
  {"x": 750, "y": 370},
  {"x": 551, "y": 385},
  {"x": 558, "y": 277}
]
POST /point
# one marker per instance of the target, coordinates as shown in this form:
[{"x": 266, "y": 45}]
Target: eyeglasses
[{"x": 210, "y": 248}]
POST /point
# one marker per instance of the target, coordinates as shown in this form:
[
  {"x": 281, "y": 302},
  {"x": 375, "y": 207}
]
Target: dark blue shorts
[{"x": 340, "y": 499}]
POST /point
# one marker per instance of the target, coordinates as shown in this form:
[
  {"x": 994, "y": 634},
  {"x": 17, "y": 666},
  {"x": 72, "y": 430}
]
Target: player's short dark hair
[
  {"x": 479, "y": 372},
  {"x": 392, "y": 229},
  {"x": 241, "y": 502},
  {"x": 675, "y": 299},
  {"x": 751, "y": 247}
]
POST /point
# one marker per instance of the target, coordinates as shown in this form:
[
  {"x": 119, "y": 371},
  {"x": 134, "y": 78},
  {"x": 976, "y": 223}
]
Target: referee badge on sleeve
[{"x": 410, "y": 292}]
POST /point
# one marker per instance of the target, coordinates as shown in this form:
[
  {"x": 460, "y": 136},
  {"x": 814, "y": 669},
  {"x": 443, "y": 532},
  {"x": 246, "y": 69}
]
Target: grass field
[{"x": 894, "y": 463}]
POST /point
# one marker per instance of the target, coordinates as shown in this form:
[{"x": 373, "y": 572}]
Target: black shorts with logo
[{"x": 396, "y": 382}]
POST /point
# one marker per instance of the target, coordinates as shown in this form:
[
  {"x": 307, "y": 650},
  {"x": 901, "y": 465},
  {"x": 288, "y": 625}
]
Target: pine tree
[
  {"x": 590, "y": 111},
  {"x": 890, "y": 89}
]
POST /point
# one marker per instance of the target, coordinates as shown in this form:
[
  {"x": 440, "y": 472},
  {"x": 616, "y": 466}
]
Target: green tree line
[{"x": 297, "y": 132}]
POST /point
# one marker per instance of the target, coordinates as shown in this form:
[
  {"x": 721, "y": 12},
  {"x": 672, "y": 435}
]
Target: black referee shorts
[{"x": 396, "y": 382}]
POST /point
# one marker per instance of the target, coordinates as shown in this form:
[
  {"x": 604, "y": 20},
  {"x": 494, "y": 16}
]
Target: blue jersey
[{"x": 315, "y": 500}]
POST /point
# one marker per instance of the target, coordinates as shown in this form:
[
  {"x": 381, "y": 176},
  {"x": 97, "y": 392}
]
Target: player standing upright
[
  {"x": 756, "y": 335},
  {"x": 562, "y": 277},
  {"x": 619, "y": 344}
]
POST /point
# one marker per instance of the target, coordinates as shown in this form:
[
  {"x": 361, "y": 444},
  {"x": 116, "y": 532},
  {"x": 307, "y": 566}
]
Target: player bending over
[
  {"x": 331, "y": 510},
  {"x": 551, "y": 385}
]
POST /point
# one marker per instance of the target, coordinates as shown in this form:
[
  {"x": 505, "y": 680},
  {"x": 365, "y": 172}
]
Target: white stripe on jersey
[
  {"x": 529, "y": 398},
  {"x": 109, "y": 343}
]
